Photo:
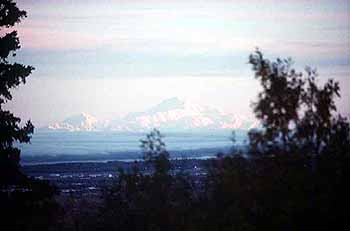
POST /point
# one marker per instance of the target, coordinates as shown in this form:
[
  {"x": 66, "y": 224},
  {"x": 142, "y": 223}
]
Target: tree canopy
[
  {"x": 154, "y": 151},
  {"x": 297, "y": 114},
  {"x": 12, "y": 75}
]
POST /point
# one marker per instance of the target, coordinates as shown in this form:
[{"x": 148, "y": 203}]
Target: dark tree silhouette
[
  {"x": 25, "y": 203},
  {"x": 154, "y": 151},
  {"x": 152, "y": 201},
  {"x": 11, "y": 76},
  {"x": 299, "y": 180},
  {"x": 318, "y": 130},
  {"x": 278, "y": 103},
  {"x": 298, "y": 176},
  {"x": 296, "y": 113}
]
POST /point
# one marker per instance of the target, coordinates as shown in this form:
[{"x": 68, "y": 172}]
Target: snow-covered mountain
[
  {"x": 79, "y": 122},
  {"x": 170, "y": 115}
]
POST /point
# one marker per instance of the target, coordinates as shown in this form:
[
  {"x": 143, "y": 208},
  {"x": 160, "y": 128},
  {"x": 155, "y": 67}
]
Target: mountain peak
[
  {"x": 167, "y": 105},
  {"x": 80, "y": 118},
  {"x": 77, "y": 122},
  {"x": 172, "y": 114}
]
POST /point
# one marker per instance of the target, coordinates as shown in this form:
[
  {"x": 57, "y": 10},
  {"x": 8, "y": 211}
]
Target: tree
[
  {"x": 318, "y": 130},
  {"x": 154, "y": 201},
  {"x": 154, "y": 151},
  {"x": 278, "y": 103},
  {"x": 305, "y": 147},
  {"x": 25, "y": 203},
  {"x": 296, "y": 113},
  {"x": 11, "y": 76}
]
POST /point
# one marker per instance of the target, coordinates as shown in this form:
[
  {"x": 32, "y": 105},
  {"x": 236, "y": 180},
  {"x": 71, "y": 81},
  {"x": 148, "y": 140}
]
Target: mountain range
[{"x": 172, "y": 114}]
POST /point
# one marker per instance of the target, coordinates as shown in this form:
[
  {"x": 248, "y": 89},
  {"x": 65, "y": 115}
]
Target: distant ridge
[
  {"x": 79, "y": 122},
  {"x": 171, "y": 114}
]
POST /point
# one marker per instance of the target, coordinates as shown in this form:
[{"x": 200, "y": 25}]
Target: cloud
[
  {"x": 185, "y": 26},
  {"x": 48, "y": 39}
]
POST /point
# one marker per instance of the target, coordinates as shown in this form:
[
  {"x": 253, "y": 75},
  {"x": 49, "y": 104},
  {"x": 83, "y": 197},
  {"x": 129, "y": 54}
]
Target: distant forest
[{"x": 294, "y": 176}]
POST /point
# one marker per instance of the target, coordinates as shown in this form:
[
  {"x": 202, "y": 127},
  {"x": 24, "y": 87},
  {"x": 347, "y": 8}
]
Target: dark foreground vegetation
[{"x": 294, "y": 176}]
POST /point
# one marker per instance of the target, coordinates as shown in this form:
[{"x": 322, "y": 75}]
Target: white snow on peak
[
  {"x": 171, "y": 114},
  {"x": 79, "y": 122}
]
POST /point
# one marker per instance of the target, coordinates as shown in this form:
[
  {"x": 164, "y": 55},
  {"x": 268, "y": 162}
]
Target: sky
[{"x": 108, "y": 58}]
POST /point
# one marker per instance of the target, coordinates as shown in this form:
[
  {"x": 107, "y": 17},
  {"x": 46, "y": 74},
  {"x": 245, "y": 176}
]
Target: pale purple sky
[{"x": 108, "y": 58}]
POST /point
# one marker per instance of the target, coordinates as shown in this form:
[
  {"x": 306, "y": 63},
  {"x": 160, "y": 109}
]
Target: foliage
[
  {"x": 156, "y": 201},
  {"x": 296, "y": 113},
  {"x": 154, "y": 151},
  {"x": 277, "y": 193},
  {"x": 294, "y": 176},
  {"x": 11, "y": 75},
  {"x": 26, "y": 204},
  {"x": 297, "y": 172}
]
